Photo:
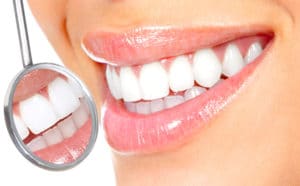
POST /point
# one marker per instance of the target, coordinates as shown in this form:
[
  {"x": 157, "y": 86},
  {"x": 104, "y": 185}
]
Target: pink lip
[
  {"x": 134, "y": 133},
  {"x": 149, "y": 44}
]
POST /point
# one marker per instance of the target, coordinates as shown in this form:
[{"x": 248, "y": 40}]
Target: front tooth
[
  {"x": 77, "y": 90},
  {"x": 37, "y": 113},
  {"x": 153, "y": 81},
  {"x": 37, "y": 143},
  {"x": 207, "y": 68},
  {"x": 181, "y": 74},
  {"x": 67, "y": 128},
  {"x": 62, "y": 97},
  {"x": 80, "y": 116},
  {"x": 172, "y": 101},
  {"x": 157, "y": 105},
  {"x": 21, "y": 127},
  {"x": 253, "y": 52},
  {"x": 113, "y": 82},
  {"x": 193, "y": 92},
  {"x": 53, "y": 136},
  {"x": 143, "y": 108},
  {"x": 233, "y": 61},
  {"x": 129, "y": 85}
]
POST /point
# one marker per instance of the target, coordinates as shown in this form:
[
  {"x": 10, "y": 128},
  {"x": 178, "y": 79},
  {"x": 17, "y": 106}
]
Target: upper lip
[{"x": 148, "y": 44}]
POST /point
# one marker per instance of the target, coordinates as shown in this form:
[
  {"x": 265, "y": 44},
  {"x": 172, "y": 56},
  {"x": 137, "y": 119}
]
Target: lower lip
[
  {"x": 129, "y": 133},
  {"x": 70, "y": 149}
]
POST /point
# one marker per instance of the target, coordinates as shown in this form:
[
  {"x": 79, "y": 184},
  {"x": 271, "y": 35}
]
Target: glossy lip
[
  {"x": 148, "y": 44},
  {"x": 134, "y": 133}
]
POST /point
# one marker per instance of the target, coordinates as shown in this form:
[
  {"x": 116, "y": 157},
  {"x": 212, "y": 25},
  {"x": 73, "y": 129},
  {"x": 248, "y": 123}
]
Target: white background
[{"x": 14, "y": 168}]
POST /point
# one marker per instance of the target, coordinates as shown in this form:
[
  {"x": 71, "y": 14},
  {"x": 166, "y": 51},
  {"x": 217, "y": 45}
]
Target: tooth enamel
[
  {"x": 129, "y": 85},
  {"x": 206, "y": 67},
  {"x": 233, "y": 61},
  {"x": 193, "y": 92},
  {"x": 172, "y": 101},
  {"x": 157, "y": 105},
  {"x": 21, "y": 127},
  {"x": 80, "y": 116},
  {"x": 37, "y": 113},
  {"x": 153, "y": 81},
  {"x": 53, "y": 136},
  {"x": 181, "y": 74},
  {"x": 253, "y": 52},
  {"x": 113, "y": 81},
  {"x": 130, "y": 106},
  {"x": 67, "y": 128},
  {"x": 143, "y": 108},
  {"x": 77, "y": 90},
  {"x": 37, "y": 143},
  {"x": 62, "y": 97}
]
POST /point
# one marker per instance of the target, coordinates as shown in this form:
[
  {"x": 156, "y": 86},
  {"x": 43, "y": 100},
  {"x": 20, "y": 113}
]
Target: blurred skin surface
[{"x": 254, "y": 141}]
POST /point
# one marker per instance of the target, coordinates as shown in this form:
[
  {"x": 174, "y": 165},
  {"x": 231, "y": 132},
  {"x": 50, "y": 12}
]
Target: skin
[{"x": 253, "y": 141}]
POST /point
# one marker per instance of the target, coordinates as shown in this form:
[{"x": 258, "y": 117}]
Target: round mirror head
[{"x": 51, "y": 116}]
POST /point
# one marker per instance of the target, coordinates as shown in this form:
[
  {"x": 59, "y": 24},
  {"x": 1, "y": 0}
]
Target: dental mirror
[{"x": 50, "y": 115}]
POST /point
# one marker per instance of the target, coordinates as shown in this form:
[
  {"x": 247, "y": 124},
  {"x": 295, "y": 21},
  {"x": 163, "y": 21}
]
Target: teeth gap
[{"x": 208, "y": 68}]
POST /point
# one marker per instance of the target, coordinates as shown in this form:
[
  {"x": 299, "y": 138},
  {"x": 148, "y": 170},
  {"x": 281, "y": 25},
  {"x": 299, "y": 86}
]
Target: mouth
[
  {"x": 166, "y": 84},
  {"x": 54, "y": 121}
]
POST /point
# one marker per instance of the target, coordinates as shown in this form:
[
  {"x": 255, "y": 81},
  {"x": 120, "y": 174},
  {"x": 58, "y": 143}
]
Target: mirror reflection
[{"x": 52, "y": 116}]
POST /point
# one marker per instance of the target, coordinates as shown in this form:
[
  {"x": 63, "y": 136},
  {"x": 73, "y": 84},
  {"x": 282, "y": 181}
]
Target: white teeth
[
  {"x": 155, "y": 88},
  {"x": 77, "y": 90},
  {"x": 113, "y": 82},
  {"x": 37, "y": 143},
  {"x": 37, "y": 113},
  {"x": 67, "y": 127},
  {"x": 80, "y": 116},
  {"x": 193, "y": 92},
  {"x": 129, "y": 85},
  {"x": 172, "y": 101},
  {"x": 233, "y": 61},
  {"x": 143, "y": 107},
  {"x": 153, "y": 81},
  {"x": 53, "y": 136},
  {"x": 253, "y": 52},
  {"x": 21, "y": 127},
  {"x": 62, "y": 97},
  {"x": 130, "y": 106},
  {"x": 181, "y": 74},
  {"x": 207, "y": 68},
  {"x": 157, "y": 105}
]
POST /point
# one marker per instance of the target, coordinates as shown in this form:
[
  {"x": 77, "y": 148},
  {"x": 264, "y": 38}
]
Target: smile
[
  {"x": 170, "y": 82},
  {"x": 54, "y": 121}
]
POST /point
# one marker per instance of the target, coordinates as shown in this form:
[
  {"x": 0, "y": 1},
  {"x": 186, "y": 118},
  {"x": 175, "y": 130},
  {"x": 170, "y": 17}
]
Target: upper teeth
[
  {"x": 155, "y": 80},
  {"x": 39, "y": 112}
]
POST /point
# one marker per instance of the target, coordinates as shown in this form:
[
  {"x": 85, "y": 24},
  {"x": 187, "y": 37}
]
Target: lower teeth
[{"x": 149, "y": 107}]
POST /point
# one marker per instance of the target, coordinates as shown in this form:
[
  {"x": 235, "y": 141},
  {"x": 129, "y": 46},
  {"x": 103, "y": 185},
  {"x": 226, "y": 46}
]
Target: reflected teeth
[
  {"x": 62, "y": 98},
  {"x": 64, "y": 130},
  {"x": 40, "y": 112},
  {"x": 190, "y": 74},
  {"x": 21, "y": 127},
  {"x": 37, "y": 113}
]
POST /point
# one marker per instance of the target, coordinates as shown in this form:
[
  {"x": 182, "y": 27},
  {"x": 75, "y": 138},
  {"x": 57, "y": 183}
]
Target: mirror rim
[{"x": 10, "y": 125}]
